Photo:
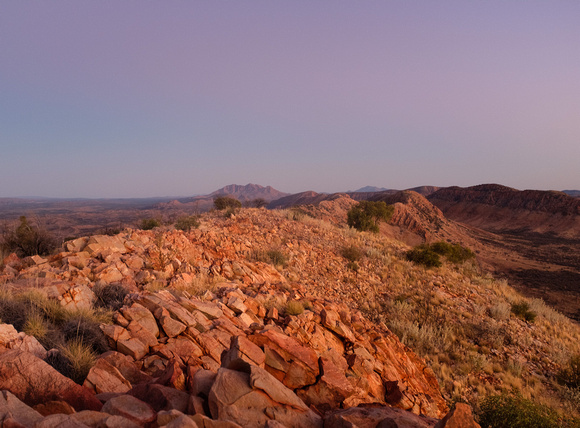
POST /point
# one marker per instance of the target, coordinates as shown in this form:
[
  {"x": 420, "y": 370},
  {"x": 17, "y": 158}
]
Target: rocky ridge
[{"x": 175, "y": 356}]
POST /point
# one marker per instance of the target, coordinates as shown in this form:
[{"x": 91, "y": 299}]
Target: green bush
[
  {"x": 514, "y": 411},
  {"x": 522, "y": 310},
  {"x": 455, "y": 253},
  {"x": 187, "y": 223},
  {"x": 149, "y": 223},
  {"x": 366, "y": 215},
  {"x": 277, "y": 257},
  {"x": 423, "y": 255},
  {"x": 570, "y": 376},
  {"x": 224, "y": 202},
  {"x": 351, "y": 253},
  {"x": 28, "y": 240},
  {"x": 428, "y": 255}
]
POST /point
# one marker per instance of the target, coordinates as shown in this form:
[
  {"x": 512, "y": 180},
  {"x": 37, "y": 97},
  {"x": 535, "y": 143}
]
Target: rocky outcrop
[{"x": 33, "y": 381}]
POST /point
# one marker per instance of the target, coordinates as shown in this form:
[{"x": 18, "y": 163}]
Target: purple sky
[{"x": 136, "y": 99}]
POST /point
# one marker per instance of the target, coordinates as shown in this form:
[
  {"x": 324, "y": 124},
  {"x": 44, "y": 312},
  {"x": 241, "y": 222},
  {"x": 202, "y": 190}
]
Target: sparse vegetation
[
  {"x": 294, "y": 307},
  {"x": 366, "y": 215},
  {"x": 79, "y": 359},
  {"x": 514, "y": 411},
  {"x": 187, "y": 223},
  {"x": 272, "y": 256},
  {"x": 27, "y": 240},
  {"x": 110, "y": 296},
  {"x": 428, "y": 255},
  {"x": 522, "y": 310},
  {"x": 224, "y": 202},
  {"x": 352, "y": 253},
  {"x": 149, "y": 223},
  {"x": 569, "y": 375},
  {"x": 423, "y": 255}
]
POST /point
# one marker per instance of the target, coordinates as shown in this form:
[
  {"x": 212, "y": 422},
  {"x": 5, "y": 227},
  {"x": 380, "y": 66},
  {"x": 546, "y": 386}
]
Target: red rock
[
  {"x": 161, "y": 397},
  {"x": 131, "y": 408},
  {"x": 54, "y": 407},
  {"x": 173, "y": 376},
  {"x": 126, "y": 367},
  {"x": 253, "y": 399},
  {"x": 133, "y": 347},
  {"x": 104, "y": 377},
  {"x": 243, "y": 349},
  {"x": 18, "y": 412},
  {"x": 141, "y": 315},
  {"x": 375, "y": 417},
  {"x": 202, "y": 382},
  {"x": 331, "y": 389},
  {"x": 34, "y": 381},
  {"x": 459, "y": 417},
  {"x": 284, "y": 354}
]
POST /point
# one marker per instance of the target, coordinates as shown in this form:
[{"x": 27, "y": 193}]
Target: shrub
[
  {"x": 514, "y": 411},
  {"x": 257, "y": 203},
  {"x": 423, "y": 255},
  {"x": 353, "y": 266},
  {"x": 79, "y": 359},
  {"x": 522, "y": 310},
  {"x": 277, "y": 257},
  {"x": 366, "y": 215},
  {"x": 223, "y": 202},
  {"x": 294, "y": 307},
  {"x": 35, "y": 325},
  {"x": 187, "y": 223},
  {"x": 351, "y": 253},
  {"x": 110, "y": 296},
  {"x": 28, "y": 240},
  {"x": 570, "y": 376},
  {"x": 86, "y": 332},
  {"x": 149, "y": 223}
]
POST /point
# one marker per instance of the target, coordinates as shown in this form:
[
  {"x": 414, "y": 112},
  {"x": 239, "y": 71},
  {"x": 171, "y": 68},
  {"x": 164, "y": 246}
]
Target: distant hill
[
  {"x": 369, "y": 189},
  {"x": 425, "y": 190},
  {"x": 249, "y": 192},
  {"x": 573, "y": 193},
  {"x": 499, "y": 208},
  {"x": 244, "y": 194}
]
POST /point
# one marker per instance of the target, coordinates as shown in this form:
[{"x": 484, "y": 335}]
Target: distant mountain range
[{"x": 573, "y": 193}]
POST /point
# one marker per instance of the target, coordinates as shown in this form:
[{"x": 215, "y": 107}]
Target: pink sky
[{"x": 134, "y": 99}]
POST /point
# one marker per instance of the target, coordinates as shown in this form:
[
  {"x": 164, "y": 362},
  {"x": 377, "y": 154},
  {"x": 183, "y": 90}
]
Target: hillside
[
  {"x": 499, "y": 208},
  {"x": 283, "y": 280}
]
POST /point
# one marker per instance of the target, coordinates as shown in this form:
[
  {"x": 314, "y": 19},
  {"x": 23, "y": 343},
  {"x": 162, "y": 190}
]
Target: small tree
[
  {"x": 366, "y": 215},
  {"x": 223, "y": 202},
  {"x": 149, "y": 223},
  {"x": 28, "y": 240},
  {"x": 187, "y": 223}
]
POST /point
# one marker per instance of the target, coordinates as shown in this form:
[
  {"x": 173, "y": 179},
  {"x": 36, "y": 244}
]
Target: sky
[{"x": 138, "y": 99}]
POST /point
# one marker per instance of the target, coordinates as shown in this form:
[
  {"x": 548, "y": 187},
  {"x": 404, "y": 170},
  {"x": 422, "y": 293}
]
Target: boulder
[
  {"x": 12, "y": 407},
  {"x": 11, "y": 339},
  {"x": 290, "y": 362},
  {"x": 241, "y": 348},
  {"x": 161, "y": 397},
  {"x": 34, "y": 382},
  {"x": 131, "y": 408},
  {"x": 104, "y": 377},
  {"x": 458, "y": 417},
  {"x": 141, "y": 315},
  {"x": 331, "y": 389},
  {"x": 376, "y": 417},
  {"x": 59, "y": 420},
  {"x": 252, "y": 399}
]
